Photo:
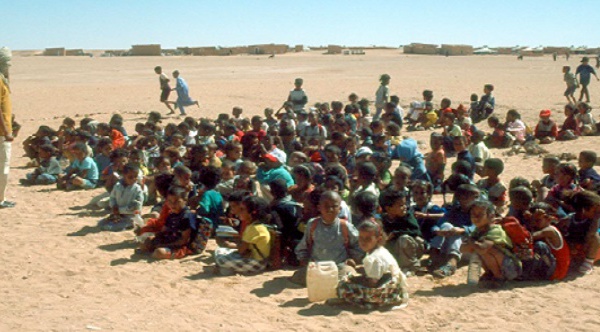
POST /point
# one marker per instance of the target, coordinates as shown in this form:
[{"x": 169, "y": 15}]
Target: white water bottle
[
  {"x": 138, "y": 222},
  {"x": 474, "y": 271}
]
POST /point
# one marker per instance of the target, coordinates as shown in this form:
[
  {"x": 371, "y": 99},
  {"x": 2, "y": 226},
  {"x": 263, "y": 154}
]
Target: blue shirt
[
  {"x": 585, "y": 72},
  {"x": 265, "y": 176},
  {"x": 211, "y": 206},
  {"x": 86, "y": 164}
]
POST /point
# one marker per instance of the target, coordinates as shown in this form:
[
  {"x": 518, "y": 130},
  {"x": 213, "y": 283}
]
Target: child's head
[
  {"x": 393, "y": 202},
  {"x": 162, "y": 182},
  {"x": 493, "y": 121},
  {"x": 256, "y": 122},
  {"x": 376, "y": 126},
  {"x": 587, "y": 204},
  {"x": 401, "y": 177},
  {"x": 247, "y": 168},
  {"x": 459, "y": 143},
  {"x": 493, "y": 167},
  {"x": 302, "y": 175},
  {"x": 79, "y": 150},
  {"x": 183, "y": 175},
  {"x": 175, "y": 73},
  {"x": 427, "y": 95},
  {"x": 385, "y": 79},
  {"x": 587, "y": 159},
  {"x": 136, "y": 157},
  {"x": 512, "y": 115},
  {"x": 445, "y": 103},
  {"x": 448, "y": 119},
  {"x": 336, "y": 170},
  {"x": 379, "y": 141},
  {"x": 428, "y": 106},
  {"x": 116, "y": 121},
  {"x": 209, "y": 176},
  {"x": 103, "y": 129},
  {"x": 130, "y": 174},
  {"x": 488, "y": 88},
  {"x": 46, "y": 151},
  {"x": 466, "y": 194},
  {"x": 392, "y": 129},
  {"x": 163, "y": 165},
  {"x": 435, "y": 141},
  {"x": 370, "y": 236},
  {"x": 566, "y": 69},
  {"x": 329, "y": 206},
  {"x": 382, "y": 161},
  {"x": 422, "y": 191},
  {"x": 154, "y": 117},
  {"x": 541, "y": 215},
  {"x": 482, "y": 213},
  {"x": 232, "y": 150},
  {"x": 570, "y": 109},
  {"x": 104, "y": 146},
  {"x": 297, "y": 158},
  {"x": 474, "y": 97},
  {"x": 365, "y": 204},
  {"x": 268, "y": 112},
  {"x": 545, "y": 115},
  {"x": 363, "y": 154},
  {"x": 177, "y": 140},
  {"x": 520, "y": 198},
  {"x": 68, "y": 123},
  {"x": 235, "y": 201},
  {"x": 298, "y": 82},
  {"x": 333, "y": 183},
  {"x": 173, "y": 154},
  {"x": 366, "y": 173},
  {"x": 583, "y": 107},
  {"x": 227, "y": 170},
  {"x": 549, "y": 164},
  {"x": 478, "y": 136},
  {"x": 158, "y": 69},
  {"x": 565, "y": 174},
  {"x": 278, "y": 188},
  {"x": 176, "y": 199},
  {"x": 333, "y": 153}
]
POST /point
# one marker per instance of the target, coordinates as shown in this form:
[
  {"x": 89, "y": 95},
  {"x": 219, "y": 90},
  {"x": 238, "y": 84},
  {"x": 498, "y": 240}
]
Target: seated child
[
  {"x": 498, "y": 138},
  {"x": 587, "y": 176},
  {"x": 117, "y": 138},
  {"x": 210, "y": 201},
  {"x": 546, "y": 130},
  {"x": 327, "y": 238},
  {"x": 383, "y": 163},
  {"x": 49, "y": 169},
  {"x": 288, "y": 214},
  {"x": 382, "y": 283},
  {"x": 426, "y": 213},
  {"x": 569, "y": 130},
  {"x": 586, "y": 124},
  {"x": 102, "y": 156},
  {"x": 479, "y": 150},
  {"x": 566, "y": 176},
  {"x": 445, "y": 250},
  {"x": 581, "y": 229},
  {"x": 491, "y": 243},
  {"x": 429, "y": 118},
  {"x": 451, "y": 130},
  {"x": 542, "y": 186},
  {"x": 435, "y": 161},
  {"x": 252, "y": 252},
  {"x": 82, "y": 173},
  {"x": 520, "y": 201},
  {"x": 492, "y": 185},
  {"x": 363, "y": 179},
  {"x": 393, "y": 133},
  {"x": 459, "y": 145},
  {"x": 541, "y": 219},
  {"x": 126, "y": 199},
  {"x": 486, "y": 105},
  {"x": 405, "y": 240},
  {"x": 515, "y": 127}
]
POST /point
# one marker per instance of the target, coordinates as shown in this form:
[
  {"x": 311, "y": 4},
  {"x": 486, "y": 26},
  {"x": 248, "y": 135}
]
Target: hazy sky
[{"x": 103, "y": 24}]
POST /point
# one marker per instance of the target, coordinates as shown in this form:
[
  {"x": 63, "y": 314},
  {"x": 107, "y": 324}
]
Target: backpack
[
  {"x": 275, "y": 260},
  {"x": 521, "y": 238}
]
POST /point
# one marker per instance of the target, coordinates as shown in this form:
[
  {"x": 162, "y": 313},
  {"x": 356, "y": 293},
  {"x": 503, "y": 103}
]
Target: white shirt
[{"x": 380, "y": 262}]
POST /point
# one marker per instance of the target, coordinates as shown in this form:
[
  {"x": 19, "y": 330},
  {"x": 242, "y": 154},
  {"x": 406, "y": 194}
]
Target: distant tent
[{"x": 485, "y": 50}]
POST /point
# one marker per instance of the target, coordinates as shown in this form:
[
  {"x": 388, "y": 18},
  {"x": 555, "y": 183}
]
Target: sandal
[{"x": 444, "y": 271}]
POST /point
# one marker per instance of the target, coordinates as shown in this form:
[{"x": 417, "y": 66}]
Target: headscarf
[{"x": 5, "y": 57}]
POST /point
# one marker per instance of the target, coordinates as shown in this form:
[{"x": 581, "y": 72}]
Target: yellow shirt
[
  {"x": 5, "y": 107},
  {"x": 257, "y": 235}
]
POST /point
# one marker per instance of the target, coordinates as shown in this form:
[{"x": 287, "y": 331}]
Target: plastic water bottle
[
  {"x": 321, "y": 281},
  {"x": 138, "y": 222},
  {"x": 474, "y": 271}
]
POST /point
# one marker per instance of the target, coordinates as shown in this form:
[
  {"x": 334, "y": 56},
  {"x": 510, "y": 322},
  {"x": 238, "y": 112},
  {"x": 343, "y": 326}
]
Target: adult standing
[
  {"x": 585, "y": 71},
  {"x": 183, "y": 93},
  {"x": 5, "y": 126}
]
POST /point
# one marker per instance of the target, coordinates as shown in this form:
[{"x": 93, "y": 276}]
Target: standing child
[
  {"x": 253, "y": 250},
  {"x": 165, "y": 89},
  {"x": 405, "y": 240},
  {"x": 546, "y": 130},
  {"x": 382, "y": 95},
  {"x": 382, "y": 283},
  {"x": 491, "y": 243},
  {"x": 585, "y": 72},
  {"x": 297, "y": 96},
  {"x": 571, "y": 81}
]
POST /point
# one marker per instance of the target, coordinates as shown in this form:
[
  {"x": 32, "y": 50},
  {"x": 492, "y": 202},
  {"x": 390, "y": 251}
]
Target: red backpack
[{"x": 521, "y": 238}]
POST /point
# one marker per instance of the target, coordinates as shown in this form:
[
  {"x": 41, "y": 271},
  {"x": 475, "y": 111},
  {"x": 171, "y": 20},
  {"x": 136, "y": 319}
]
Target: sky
[{"x": 118, "y": 24}]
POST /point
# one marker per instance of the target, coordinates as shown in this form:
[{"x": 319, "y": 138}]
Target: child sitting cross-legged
[
  {"x": 491, "y": 243},
  {"x": 405, "y": 240},
  {"x": 253, "y": 250},
  {"x": 327, "y": 238},
  {"x": 126, "y": 199},
  {"x": 82, "y": 173},
  {"x": 49, "y": 169},
  {"x": 382, "y": 283}
]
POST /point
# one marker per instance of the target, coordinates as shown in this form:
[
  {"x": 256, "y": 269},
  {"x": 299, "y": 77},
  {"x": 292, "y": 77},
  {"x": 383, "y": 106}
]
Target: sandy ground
[{"x": 59, "y": 273}]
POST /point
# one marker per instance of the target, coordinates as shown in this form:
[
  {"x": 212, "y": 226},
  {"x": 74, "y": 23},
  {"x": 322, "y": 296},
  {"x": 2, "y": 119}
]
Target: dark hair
[
  {"x": 367, "y": 170},
  {"x": 547, "y": 208},
  {"x": 303, "y": 170},
  {"x": 162, "y": 182},
  {"x": 467, "y": 190},
  {"x": 181, "y": 170},
  {"x": 474, "y": 97},
  {"x": 118, "y": 153},
  {"x": 337, "y": 171},
  {"x": 428, "y": 186},
  {"x": 278, "y": 188},
  {"x": 514, "y": 113},
  {"x": 389, "y": 197},
  {"x": 338, "y": 182},
  {"x": 519, "y": 181},
  {"x": 103, "y": 126},
  {"x": 490, "y": 209},
  {"x": 568, "y": 169},
  {"x": 80, "y": 147},
  {"x": 375, "y": 227},
  {"x": 489, "y": 87},
  {"x": 209, "y": 176},
  {"x": 588, "y": 156},
  {"x": 494, "y": 164},
  {"x": 258, "y": 208},
  {"x": 393, "y": 128},
  {"x": 584, "y": 199},
  {"x": 520, "y": 194},
  {"x": 130, "y": 167},
  {"x": 238, "y": 195},
  {"x": 365, "y": 202},
  {"x": 553, "y": 160},
  {"x": 69, "y": 122},
  {"x": 494, "y": 120},
  {"x": 333, "y": 149},
  {"x": 462, "y": 167},
  {"x": 179, "y": 192}
]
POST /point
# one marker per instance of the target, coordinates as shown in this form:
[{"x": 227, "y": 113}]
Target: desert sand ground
[{"x": 60, "y": 273}]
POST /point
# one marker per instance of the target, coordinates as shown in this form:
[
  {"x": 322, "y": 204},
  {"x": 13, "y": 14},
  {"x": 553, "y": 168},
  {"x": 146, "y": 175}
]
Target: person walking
[{"x": 183, "y": 93}]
